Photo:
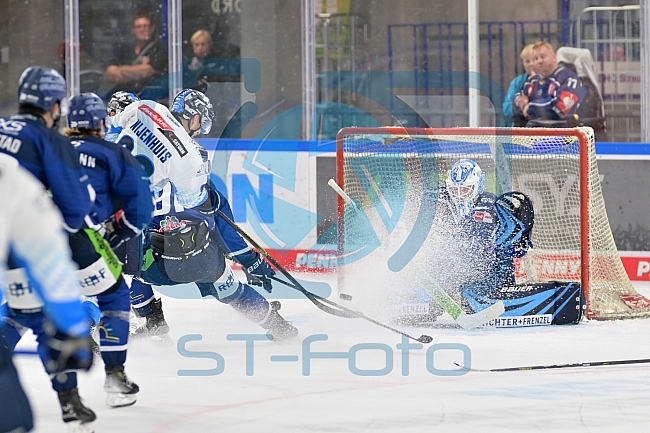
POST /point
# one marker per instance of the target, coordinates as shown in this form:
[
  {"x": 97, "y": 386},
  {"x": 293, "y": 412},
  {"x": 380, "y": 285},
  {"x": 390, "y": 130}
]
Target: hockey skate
[
  {"x": 77, "y": 417},
  {"x": 155, "y": 326},
  {"x": 278, "y": 329},
  {"x": 121, "y": 391}
]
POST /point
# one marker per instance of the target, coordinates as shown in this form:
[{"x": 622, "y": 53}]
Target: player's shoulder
[{"x": 561, "y": 74}]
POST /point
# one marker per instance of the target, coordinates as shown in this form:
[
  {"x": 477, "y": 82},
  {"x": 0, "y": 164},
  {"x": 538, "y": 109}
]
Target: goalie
[{"x": 477, "y": 237}]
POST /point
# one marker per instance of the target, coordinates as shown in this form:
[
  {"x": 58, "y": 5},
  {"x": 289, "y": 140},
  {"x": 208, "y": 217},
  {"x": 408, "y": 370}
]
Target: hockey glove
[
  {"x": 119, "y": 229},
  {"x": 65, "y": 352},
  {"x": 257, "y": 270}
]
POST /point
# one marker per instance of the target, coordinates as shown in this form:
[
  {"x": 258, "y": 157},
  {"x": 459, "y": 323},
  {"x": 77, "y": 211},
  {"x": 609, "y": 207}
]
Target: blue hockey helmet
[
  {"x": 87, "y": 110},
  {"x": 119, "y": 101},
  {"x": 465, "y": 182},
  {"x": 190, "y": 102},
  {"x": 42, "y": 88}
]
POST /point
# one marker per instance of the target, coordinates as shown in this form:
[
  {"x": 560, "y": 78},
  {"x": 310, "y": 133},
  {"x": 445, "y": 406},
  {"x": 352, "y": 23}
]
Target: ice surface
[{"x": 280, "y": 397}]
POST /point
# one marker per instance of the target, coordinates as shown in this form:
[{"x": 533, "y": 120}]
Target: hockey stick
[
  {"x": 319, "y": 301},
  {"x": 555, "y": 366},
  {"x": 464, "y": 320}
]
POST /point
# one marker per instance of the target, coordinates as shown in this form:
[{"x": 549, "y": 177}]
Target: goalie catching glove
[
  {"x": 65, "y": 352},
  {"x": 257, "y": 270},
  {"x": 119, "y": 229}
]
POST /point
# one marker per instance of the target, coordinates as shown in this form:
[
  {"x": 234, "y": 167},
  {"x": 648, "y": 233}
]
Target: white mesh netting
[{"x": 393, "y": 175}]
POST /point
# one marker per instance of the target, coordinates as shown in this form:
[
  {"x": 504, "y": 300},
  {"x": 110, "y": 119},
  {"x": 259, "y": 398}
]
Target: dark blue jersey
[
  {"x": 51, "y": 159},
  {"x": 554, "y": 97},
  {"x": 118, "y": 180}
]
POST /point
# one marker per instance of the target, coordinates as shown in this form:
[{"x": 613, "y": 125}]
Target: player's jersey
[
  {"x": 164, "y": 148},
  {"x": 463, "y": 247},
  {"x": 51, "y": 159},
  {"x": 118, "y": 180},
  {"x": 31, "y": 229},
  {"x": 554, "y": 97}
]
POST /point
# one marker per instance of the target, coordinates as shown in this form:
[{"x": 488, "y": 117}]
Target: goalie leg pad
[{"x": 562, "y": 302}]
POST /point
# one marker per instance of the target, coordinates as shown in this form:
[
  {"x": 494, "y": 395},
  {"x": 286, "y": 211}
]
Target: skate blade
[
  {"x": 117, "y": 399},
  {"x": 163, "y": 340},
  {"x": 80, "y": 427}
]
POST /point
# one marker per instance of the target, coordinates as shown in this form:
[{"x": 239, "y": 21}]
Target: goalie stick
[
  {"x": 464, "y": 320},
  {"x": 556, "y": 366},
  {"x": 318, "y": 301}
]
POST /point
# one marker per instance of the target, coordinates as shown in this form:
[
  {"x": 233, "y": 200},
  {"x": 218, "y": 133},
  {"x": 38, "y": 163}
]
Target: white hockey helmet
[{"x": 466, "y": 181}]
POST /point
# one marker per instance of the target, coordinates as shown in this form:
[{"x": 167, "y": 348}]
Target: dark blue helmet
[
  {"x": 42, "y": 88},
  {"x": 87, "y": 110},
  {"x": 190, "y": 102},
  {"x": 119, "y": 101}
]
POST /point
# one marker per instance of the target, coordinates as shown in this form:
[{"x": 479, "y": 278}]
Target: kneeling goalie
[{"x": 478, "y": 237}]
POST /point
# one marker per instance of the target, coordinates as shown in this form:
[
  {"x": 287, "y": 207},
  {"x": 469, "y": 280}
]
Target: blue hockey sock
[{"x": 141, "y": 295}]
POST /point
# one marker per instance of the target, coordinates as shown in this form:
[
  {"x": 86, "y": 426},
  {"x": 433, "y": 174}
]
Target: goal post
[{"x": 392, "y": 173}]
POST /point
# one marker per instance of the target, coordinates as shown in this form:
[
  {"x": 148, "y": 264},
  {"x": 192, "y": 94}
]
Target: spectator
[
  {"x": 137, "y": 65},
  {"x": 202, "y": 49},
  {"x": 592, "y": 110},
  {"x": 516, "y": 85},
  {"x": 554, "y": 94}
]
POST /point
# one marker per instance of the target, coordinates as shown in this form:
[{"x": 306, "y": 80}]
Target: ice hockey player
[
  {"x": 31, "y": 138},
  {"x": 31, "y": 228},
  {"x": 117, "y": 178},
  {"x": 478, "y": 236},
  {"x": 143, "y": 300},
  {"x": 472, "y": 250},
  {"x": 187, "y": 240}
]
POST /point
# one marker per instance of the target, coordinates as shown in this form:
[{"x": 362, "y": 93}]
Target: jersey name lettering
[
  {"x": 150, "y": 140},
  {"x": 10, "y": 144},
  {"x": 86, "y": 160}
]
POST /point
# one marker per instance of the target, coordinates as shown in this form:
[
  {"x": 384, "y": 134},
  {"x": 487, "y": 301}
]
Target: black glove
[
  {"x": 65, "y": 352},
  {"x": 119, "y": 230},
  {"x": 257, "y": 270}
]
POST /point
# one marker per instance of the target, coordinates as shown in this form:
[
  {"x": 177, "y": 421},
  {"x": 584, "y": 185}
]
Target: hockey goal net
[{"x": 389, "y": 171}]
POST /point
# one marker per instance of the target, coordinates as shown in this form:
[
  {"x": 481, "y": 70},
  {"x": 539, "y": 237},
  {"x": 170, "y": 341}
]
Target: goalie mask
[{"x": 466, "y": 181}]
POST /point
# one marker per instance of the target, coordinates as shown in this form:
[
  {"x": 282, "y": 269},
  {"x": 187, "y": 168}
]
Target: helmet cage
[
  {"x": 466, "y": 181},
  {"x": 119, "y": 101}
]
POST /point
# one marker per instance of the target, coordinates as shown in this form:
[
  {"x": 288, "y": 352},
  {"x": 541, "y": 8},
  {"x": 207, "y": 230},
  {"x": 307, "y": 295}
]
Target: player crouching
[{"x": 478, "y": 238}]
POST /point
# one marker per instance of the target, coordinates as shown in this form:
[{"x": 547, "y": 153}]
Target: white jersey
[
  {"x": 31, "y": 228},
  {"x": 162, "y": 140}
]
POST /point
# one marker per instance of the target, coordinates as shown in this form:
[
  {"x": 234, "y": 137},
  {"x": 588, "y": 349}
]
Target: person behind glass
[
  {"x": 202, "y": 49},
  {"x": 554, "y": 94},
  {"x": 516, "y": 85},
  {"x": 137, "y": 65}
]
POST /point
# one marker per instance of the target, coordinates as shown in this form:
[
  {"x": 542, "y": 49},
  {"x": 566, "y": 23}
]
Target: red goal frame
[{"x": 525, "y": 132}]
